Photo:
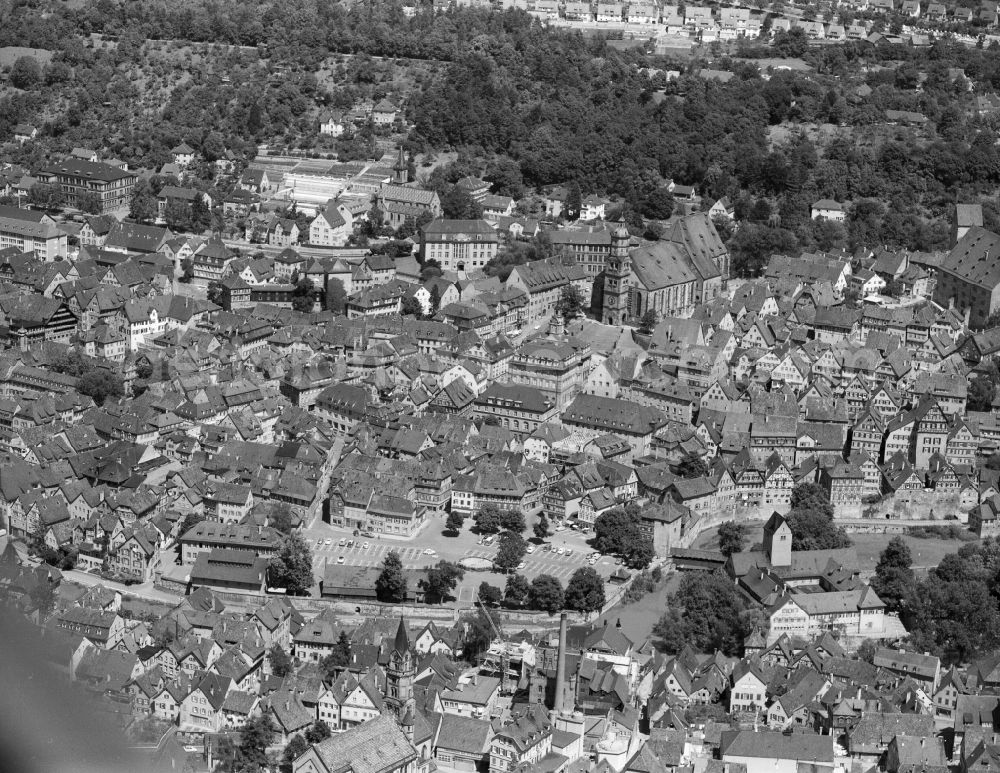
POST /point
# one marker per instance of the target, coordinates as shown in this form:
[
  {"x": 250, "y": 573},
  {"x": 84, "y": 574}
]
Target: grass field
[
  {"x": 927, "y": 553},
  {"x": 10, "y": 54}
]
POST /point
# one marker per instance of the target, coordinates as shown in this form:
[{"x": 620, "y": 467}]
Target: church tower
[
  {"x": 617, "y": 271},
  {"x": 400, "y": 675},
  {"x": 778, "y": 540},
  {"x": 400, "y": 172}
]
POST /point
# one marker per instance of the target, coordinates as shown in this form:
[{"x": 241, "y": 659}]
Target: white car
[
  {"x": 365, "y": 546},
  {"x": 340, "y": 559},
  {"x": 342, "y": 542},
  {"x": 560, "y": 551},
  {"x": 531, "y": 548},
  {"x": 521, "y": 566},
  {"x": 328, "y": 541},
  {"x": 429, "y": 552}
]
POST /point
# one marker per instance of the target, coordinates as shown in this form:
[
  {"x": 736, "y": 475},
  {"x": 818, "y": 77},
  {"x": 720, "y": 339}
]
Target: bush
[
  {"x": 644, "y": 583},
  {"x": 951, "y": 531}
]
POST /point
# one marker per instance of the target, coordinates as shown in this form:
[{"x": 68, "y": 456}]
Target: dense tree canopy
[
  {"x": 391, "y": 583},
  {"x": 708, "y": 613},
  {"x": 953, "y": 612}
]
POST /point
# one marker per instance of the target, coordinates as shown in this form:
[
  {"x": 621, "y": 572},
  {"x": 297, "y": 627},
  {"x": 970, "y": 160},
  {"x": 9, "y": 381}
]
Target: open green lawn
[{"x": 927, "y": 553}]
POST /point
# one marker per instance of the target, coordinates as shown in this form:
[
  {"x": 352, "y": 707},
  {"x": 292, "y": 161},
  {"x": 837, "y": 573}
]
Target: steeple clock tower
[
  {"x": 617, "y": 271},
  {"x": 400, "y": 675}
]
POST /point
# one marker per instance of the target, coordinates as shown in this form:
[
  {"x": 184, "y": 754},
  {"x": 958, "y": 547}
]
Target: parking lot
[{"x": 443, "y": 546}]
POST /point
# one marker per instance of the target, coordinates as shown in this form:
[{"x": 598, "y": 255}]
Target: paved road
[{"x": 143, "y": 591}]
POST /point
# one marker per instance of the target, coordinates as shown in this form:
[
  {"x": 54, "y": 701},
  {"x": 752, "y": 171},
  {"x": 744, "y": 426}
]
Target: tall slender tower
[
  {"x": 617, "y": 271},
  {"x": 399, "y": 677},
  {"x": 400, "y": 171}
]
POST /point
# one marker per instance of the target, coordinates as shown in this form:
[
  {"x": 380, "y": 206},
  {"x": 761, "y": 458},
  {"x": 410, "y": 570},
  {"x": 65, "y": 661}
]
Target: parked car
[
  {"x": 521, "y": 566},
  {"x": 365, "y": 546},
  {"x": 429, "y": 552},
  {"x": 340, "y": 559},
  {"x": 569, "y": 551},
  {"x": 531, "y": 548},
  {"x": 342, "y": 542},
  {"x": 329, "y": 541},
  {"x": 350, "y": 543}
]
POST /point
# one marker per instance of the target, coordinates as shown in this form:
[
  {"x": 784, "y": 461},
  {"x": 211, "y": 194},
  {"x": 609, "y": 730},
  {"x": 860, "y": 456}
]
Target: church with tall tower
[
  {"x": 687, "y": 266},
  {"x": 400, "y": 674},
  {"x": 617, "y": 272}
]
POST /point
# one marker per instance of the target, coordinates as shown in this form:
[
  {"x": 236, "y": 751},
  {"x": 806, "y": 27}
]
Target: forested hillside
[{"x": 561, "y": 108}]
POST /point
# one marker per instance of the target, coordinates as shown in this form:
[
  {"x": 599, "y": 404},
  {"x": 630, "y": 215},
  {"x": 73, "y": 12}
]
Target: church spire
[
  {"x": 401, "y": 169},
  {"x": 402, "y": 641}
]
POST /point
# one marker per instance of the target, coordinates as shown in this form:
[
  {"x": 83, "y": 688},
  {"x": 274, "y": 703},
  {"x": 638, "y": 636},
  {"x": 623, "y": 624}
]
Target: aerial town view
[{"x": 499, "y": 386}]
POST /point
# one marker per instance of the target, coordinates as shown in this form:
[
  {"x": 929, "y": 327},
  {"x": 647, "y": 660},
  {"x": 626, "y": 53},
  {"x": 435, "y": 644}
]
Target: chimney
[{"x": 559, "y": 704}]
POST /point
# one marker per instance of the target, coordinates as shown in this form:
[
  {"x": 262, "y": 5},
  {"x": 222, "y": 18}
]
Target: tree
[
  {"x": 894, "y": 580},
  {"x": 506, "y": 178},
  {"x": 458, "y": 204},
  {"x": 280, "y": 518},
  {"x": 574, "y": 201},
  {"x": 435, "y": 299},
  {"x": 659, "y": 204},
  {"x": 338, "y": 659},
  {"x": 89, "y": 202},
  {"x": 814, "y": 531},
  {"x": 516, "y": 592},
  {"x": 44, "y": 196},
  {"x": 302, "y": 296},
  {"x": 291, "y": 568},
  {"x": 510, "y": 550},
  {"x": 336, "y": 296},
  {"x": 478, "y": 635},
  {"x": 570, "y": 302},
  {"x": 982, "y": 391},
  {"x": 318, "y": 731},
  {"x": 191, "y": 520},
  {"x": 545, "y": 594},
  {"x": 706, "y": 612},
  {"x": 440, "y": 581},
  {"x": 25, "y": 72},
  {"x": 512, "y": 520},
  {"x": 488, "y": 519},
  {"x": 143, "y": 206},
  {"x": 213, "y": 147},
  {"x": 811, "y": 497},
  {"x": 692, "y": 466},
  {"x": 43, "y": 597},
  {"x": 584, "y": 591},
  {"x": 281, "y": 661},
  {"x": 100, "y": 384},
  {"x": 257, "y": 735},
  {"x": 732, "y": 538},
  {"x": 215, "y": 292},
  {"x": 490, "y": 595},
  {"x": 866, "y": 650},
  {"x": 647, "y": 322},
  {"x": 454, "y": 521},
  {"x": 614, "y": 529},
  {"x": 411, "y": 307},
  {"x": 638, "y": 552},
  {"x": 391, "y": 583},
  {"x": 541, "y": 527}
]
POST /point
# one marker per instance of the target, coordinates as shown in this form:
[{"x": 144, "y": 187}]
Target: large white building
[
  {"x": 31, "y": 231},
  {"x": 459, "y": 245}
]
